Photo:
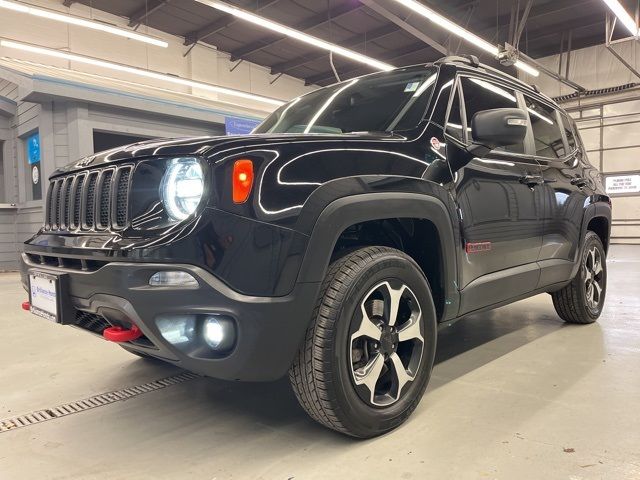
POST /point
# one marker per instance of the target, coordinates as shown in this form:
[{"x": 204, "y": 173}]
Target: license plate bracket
[{"x": 49, "y": 296}]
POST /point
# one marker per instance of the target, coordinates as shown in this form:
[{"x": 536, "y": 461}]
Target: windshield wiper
[{"x": 382, "y": 133}]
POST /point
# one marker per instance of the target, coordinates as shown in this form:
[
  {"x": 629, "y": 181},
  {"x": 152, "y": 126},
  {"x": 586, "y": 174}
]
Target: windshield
[{"x": 381, "y": 102}]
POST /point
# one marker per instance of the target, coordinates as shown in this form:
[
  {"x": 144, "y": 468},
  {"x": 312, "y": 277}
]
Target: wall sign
[
  {"x": 622, "y": 184},
  {"x": 33, "y": 148},
  {"x": 240, "y": 126}
]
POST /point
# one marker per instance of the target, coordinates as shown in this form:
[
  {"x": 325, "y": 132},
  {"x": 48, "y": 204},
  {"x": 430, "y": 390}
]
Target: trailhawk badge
[{"x": 85, "y": 162}]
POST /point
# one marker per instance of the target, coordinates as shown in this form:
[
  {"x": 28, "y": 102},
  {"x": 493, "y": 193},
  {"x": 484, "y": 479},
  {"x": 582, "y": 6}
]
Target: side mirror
[{"x": 498, "y": 127}]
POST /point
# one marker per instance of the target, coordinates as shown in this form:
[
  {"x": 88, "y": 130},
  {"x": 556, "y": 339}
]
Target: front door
[{"x": 499, "y": 198}]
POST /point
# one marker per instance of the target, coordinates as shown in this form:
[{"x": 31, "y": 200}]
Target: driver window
[{"x": 483, "y": 95}]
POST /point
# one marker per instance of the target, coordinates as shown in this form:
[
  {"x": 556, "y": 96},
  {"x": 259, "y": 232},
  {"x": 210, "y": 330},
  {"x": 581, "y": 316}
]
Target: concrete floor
[{"x": 515, "y": 394}]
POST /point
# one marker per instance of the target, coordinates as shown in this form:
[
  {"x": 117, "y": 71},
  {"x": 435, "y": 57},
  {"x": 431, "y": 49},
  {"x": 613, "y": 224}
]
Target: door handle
[
  {"x": 579, "y": 182},
  {"x": 531, "y": 181}
]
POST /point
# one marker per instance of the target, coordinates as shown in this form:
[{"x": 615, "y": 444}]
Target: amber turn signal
[{"x": 242, "y": 180}]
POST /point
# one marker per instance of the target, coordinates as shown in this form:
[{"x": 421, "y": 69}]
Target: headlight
[{"x": 182, "y": 187}]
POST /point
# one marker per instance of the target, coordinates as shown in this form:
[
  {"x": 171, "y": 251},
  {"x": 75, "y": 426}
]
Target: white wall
[
  {"x": 593, "y": 68},
  {"x": 609, "y": 124},
  {"x": 203, "y": 63}
]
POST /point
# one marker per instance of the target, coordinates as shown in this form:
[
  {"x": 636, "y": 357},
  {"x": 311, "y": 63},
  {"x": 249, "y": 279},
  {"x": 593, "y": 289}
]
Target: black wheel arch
[
  {"x": 597, "y": 218},
  {"x": 347, "y": 211}
]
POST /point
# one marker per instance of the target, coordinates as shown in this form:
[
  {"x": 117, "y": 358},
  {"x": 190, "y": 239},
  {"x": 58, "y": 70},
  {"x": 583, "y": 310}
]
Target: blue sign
[
  {"x": 239, "y": 126},
  {"x": 33, "y": 148}
]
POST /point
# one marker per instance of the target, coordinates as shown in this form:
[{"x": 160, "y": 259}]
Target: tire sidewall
[{"x": 362, "y": 419}]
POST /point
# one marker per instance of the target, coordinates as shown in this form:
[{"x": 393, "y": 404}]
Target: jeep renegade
[{"x": 332, "y": 242}]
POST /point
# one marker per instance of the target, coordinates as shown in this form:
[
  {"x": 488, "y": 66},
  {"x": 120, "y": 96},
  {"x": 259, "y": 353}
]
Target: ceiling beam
[
  {"x": 545, "y": 49},
  {"x": 578, "y": 24},
  {"x": 355, "y": 41},
  {"x": 311, "y": 22},
  {"x": 143, "y": 13},
  {"x": 226, "y": 20},
  {"x": 380, "y": 10}
]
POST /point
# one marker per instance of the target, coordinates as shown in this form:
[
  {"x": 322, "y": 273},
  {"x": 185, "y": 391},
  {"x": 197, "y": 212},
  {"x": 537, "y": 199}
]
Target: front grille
[
  {"x": 90, "y": 321},
  {"x": 88, "y": 201},
  {"x": 96, "y": 323},
  {"x": 69, "y": 263}
]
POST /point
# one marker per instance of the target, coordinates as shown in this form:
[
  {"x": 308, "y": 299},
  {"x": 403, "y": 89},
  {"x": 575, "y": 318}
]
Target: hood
[{"x": 203, "y": 146}]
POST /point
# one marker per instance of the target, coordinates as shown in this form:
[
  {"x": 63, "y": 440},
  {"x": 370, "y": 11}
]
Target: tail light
[{"x": 242, "y": 180}]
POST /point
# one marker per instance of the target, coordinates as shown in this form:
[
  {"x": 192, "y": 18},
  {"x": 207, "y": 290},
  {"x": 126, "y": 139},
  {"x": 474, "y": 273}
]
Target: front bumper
[{"x": 269, "y": 329}]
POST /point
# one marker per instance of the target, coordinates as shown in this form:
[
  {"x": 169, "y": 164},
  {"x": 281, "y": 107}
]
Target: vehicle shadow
[{"x": 478, "y": 339}]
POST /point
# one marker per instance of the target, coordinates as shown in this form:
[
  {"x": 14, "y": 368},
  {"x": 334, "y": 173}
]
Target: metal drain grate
[{"x": 101, "y": 400}]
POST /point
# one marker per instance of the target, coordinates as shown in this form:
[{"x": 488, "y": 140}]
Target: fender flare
[
  {"x": 598, "y": 209},
  {"x": 344, "y": 212}
]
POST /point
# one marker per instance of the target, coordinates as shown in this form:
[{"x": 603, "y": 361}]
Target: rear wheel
[
  {"x": 368, "y": 353},
  {"x": 583, "y": 299}
]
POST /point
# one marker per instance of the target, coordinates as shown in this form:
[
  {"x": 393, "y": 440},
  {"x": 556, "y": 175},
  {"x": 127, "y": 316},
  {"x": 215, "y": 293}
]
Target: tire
[
  {"x": 349, "y": 376},
  {"x": 582, "y": 300}
]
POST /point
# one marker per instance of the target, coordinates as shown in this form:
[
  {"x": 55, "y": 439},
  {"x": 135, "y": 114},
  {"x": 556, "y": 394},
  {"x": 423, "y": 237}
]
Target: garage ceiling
[{"x": 551, "y": 26}]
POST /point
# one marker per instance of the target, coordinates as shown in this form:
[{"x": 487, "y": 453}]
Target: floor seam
[{"x": 95, "y": 401}]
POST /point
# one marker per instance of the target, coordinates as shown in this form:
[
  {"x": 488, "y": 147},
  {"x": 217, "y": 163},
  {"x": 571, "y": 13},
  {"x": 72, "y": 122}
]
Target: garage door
[{"x": 611, "y": 133}]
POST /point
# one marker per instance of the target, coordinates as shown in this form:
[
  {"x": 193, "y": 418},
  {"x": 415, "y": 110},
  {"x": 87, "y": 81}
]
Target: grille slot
[
  {"x": 65, "y": 207},
  {"x": 105, "y": 199},
  {"x": 56, "y": 222},
  {"x": 77, "y": 201},
  {"x": 122, "y": 198},
  {"x": 91, "y": 201},
  {"x": 96, "y": 200},
  {"x": 50, "y": 196}
]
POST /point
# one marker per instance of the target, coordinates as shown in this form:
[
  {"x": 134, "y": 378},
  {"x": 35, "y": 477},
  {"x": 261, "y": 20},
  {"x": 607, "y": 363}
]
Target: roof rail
[
  {"x": 468, "y": 59},
  {"x": 473, "y": 61}
]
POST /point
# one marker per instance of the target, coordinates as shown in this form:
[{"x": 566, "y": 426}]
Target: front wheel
[
  {"x": 583, "y": 299},
  {"x": 369, "y": 350}
]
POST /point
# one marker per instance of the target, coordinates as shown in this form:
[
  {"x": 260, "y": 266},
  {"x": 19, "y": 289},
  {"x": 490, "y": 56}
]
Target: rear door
[
  {"x": 565, "y": 189},
  {"x": 499, "y": 202}
]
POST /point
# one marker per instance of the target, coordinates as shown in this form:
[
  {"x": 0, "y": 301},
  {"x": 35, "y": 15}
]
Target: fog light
[
  {"x": 177, "y": 329},
  {"x": 218, "y": 332},
  {"x": 172, "y": 278}
]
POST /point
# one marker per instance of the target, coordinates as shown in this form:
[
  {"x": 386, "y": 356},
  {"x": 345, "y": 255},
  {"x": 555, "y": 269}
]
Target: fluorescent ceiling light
[
  {"x": 81, "y": 22},
  {"x": 137, "y": 71},
  {"x": 526, "y": 68},
  {"x": 298, "y": 35},
  {"x": 622, "y": 15},
  {"x": 457, "y": 30}
]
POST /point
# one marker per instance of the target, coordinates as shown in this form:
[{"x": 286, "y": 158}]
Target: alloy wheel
[
  {"x": 593, "y": 277},
  {"x": 386, "y": 343}
]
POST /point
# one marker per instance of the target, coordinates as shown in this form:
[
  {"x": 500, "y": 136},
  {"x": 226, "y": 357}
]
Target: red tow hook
[
  {"x": 119, "y": 334},
  {"x": 26, "y": 306}
]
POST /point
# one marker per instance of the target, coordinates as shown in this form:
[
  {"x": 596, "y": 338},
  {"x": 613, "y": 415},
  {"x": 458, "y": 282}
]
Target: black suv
[{"x": 332, "y": 242}]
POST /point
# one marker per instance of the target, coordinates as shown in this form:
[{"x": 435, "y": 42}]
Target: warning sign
[{"x": 623, "y": 184}]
